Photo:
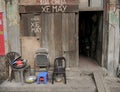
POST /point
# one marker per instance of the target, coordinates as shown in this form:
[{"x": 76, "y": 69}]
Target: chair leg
[
  {"x": 29, "y": 71},
  {"x": 21, "y": 74},
  {"x": 38, "y": 81},
  {"x": 53, "y": 78},
  {"x": 65, "y": 79}
]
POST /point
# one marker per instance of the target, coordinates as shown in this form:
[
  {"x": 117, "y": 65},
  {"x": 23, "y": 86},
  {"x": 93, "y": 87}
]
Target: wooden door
[
  {"x": 69, "y": 41},
  {"x": 30, "y": 36},
  {"x": 61, "y": 36},
  {"x": 56, "y": 32},
  {"x": 29, "y": 46}
]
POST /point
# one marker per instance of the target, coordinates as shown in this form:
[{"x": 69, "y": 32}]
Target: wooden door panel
[
  {"x": 30, "y": 36},
  {"x": 51, "y": 38},
  {"x": 44, "y": 30},
  {"x": 56, "y": 33},
  {"x": 65, "y": 38},
  {"x": 72, "y": 43},
  {"x": 68, "y": 38},
  {"x": 29, "y": 46},
  {"x": 30, "y": 25}
]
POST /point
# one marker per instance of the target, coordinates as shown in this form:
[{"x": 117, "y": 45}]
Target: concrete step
[
  {"x": 74, "y": 84},
  {"x": 48, "y": 88}
]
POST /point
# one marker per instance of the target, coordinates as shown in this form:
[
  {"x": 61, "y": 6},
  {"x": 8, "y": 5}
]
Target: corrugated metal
[{"x": 48, "y": 2}]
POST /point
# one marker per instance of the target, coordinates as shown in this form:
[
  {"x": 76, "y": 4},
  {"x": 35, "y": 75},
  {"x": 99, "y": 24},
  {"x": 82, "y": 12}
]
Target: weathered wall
[
  {"x": 13, "y": 26},
  {"x": 105, "y": 35},
  {"x": 11, "y": 32},
  {"x": 3, "y": 10},
  {"x": 3, "y": 69},
  {"x": 90, "y": 3},
  {"x": 48, "y": 2},
  {"x": 114, "y": 38}
]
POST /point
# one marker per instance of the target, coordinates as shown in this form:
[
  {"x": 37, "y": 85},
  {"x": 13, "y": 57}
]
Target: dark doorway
[{"x": 90, "y": 34}]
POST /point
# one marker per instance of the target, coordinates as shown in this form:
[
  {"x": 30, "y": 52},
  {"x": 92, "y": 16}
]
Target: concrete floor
[{"x": 79, "y": 79}]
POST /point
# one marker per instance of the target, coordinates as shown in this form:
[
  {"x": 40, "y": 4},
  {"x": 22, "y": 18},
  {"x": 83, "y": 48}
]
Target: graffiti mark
[{"x": 35, "y": 25}]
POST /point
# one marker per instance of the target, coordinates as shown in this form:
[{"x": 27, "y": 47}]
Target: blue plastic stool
[{"x": 43, "y": 75}]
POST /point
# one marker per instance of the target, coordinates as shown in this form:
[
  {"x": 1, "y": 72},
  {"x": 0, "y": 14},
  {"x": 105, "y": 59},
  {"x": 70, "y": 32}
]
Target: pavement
[
  {"x": 79, "y": 83},
  {"x": 79, "y": 79}
]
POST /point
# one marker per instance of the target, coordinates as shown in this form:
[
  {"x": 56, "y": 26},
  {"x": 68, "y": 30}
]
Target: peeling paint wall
[
  {"x": 114, "y": 36},
  {"x": 3, "y": 66},
  {"x": 3, "y": 69}
]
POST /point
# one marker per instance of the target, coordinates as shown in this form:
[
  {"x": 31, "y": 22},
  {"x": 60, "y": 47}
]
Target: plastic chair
[
  {"x": 12, "y": 58},
  {"x": 59, "y": 68},
  {"x": 41, "y": 58}
]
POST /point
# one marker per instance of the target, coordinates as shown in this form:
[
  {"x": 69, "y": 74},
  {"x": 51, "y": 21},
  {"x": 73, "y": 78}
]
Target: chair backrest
[
  {"x": 60, "y": 62},
  {"x": 42, "y": 51},
  {"x": 41, "y": 59},
  {"x": 12, "y": 56}
]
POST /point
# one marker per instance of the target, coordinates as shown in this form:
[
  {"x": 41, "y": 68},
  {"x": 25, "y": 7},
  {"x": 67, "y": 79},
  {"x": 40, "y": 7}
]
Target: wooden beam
[
  {"x": 48, "y": 8},
  {"x": 100, "y": 82},
  {"x": 113, "y": 44},
  {"x": 77, "y": 38},
  {"x": 105, "y": 35},
  {"x": 91, "y": 9},
  {"x": 48, "y": 2}
]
